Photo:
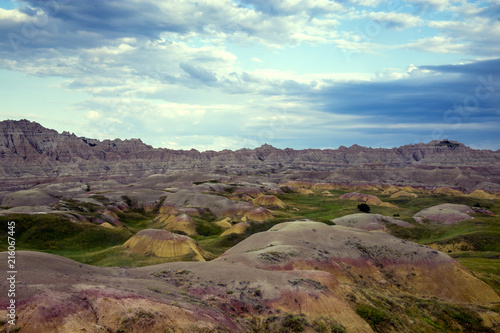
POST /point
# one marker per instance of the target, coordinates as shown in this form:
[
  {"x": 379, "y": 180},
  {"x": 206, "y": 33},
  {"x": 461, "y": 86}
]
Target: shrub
[
  {"x": 293, "y": 323},
  {"x": 364, "y": 208},
  {"x": 373, "y": 316}
]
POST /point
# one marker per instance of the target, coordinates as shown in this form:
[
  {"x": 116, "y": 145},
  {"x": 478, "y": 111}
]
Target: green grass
[
  {"x": 318, "y": 207},
  {"x": 52, "y": 233},
  {"x": 406, "y": 313},
  {"x": 137, "y": 221},
  {"x": 218, "y": 245},
  {"x": 377, "y": 318}
]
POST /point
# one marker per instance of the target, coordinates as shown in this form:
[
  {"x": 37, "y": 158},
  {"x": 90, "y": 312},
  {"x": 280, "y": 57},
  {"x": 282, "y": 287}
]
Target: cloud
[
  {"x": 293, "y": 7},
  {"x": 453, "y": 95},
  {"x": 198, "y": 73},
  {"x": 437, "y": 44},
  {"x": 480, "y": 34},
  {"x": 73, "y": 25},
  {"x": 93, "y": 115},
  {"x": 13, "y": 16},
  {"x": 433, "y": 4},
  {"x": 368, "y": 3},
  {"x": 396, "y": 21}
]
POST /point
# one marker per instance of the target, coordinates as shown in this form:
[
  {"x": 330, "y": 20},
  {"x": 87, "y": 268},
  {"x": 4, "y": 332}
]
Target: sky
[{"x": 231, "y": 74}]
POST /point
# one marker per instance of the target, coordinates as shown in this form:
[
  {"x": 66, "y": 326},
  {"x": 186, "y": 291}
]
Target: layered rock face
[
  {"x": 165, "y": 244},
  {"x": 28, "y": 150}
]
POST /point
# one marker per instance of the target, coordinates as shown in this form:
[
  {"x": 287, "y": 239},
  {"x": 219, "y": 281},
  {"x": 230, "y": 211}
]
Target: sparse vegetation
[
  {"x": 56, "y": 234},
  {"x": 378, "y": 319},
  {"x": 293, "y": 323},
  {"x": 327, "y": 325}
]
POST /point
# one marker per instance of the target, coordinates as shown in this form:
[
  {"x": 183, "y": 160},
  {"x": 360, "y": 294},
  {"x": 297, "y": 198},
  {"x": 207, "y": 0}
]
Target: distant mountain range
[{"x": 29, "y": 151}]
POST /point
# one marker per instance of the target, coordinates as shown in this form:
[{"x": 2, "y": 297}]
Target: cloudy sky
[{"x": 228, "y": 74}]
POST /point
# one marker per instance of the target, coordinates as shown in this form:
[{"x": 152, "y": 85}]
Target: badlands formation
[{"x": 117, "y": 236}]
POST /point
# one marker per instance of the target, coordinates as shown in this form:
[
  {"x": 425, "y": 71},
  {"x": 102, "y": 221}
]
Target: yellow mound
[
  {"x": 480, "y": 194},
  {"x": 404, "y": 194},
  {"x": 374, "y": 201},
  {"x": 327, "y": 193},
  {"x": 388, "y": 204},
  {"x": 164, "y": 244},
  {"x": 367, "y": 187},
  {"x": 366, "y": 198},
  {"x": 269, "y": 201},
  {"x": 391, "y": 190},
  {"x": 297, "y": 184},
  {"x": 324, "y": 186},
  {"x": 107, "y": 225},
  {"x": 408, "y": 189},
  {"x": 304, "y": 191},
  {"x": 181, "y": 222},
  {"x": 225, "y": 223},
  {"x": 258, "y": 214},
  {"x": 238, "y": 228},
  {"x": 447, "y": 191}
]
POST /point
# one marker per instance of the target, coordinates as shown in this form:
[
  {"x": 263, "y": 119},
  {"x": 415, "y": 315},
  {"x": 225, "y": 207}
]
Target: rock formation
[
  {"x": 369, "y": 222},
  {"x": 351, "y": 254},
  {"x": 444, "y": 214},
  {"x": 404, "y": 194},
  {"x": 269, "y": 201},
  {"x": 182, "y": 222},
  {"x": 259, "y": 214},
  {"x": 361, "y": 197},
  {"x": 164, "y": 244},
  {"x": 29, "y": 152}
]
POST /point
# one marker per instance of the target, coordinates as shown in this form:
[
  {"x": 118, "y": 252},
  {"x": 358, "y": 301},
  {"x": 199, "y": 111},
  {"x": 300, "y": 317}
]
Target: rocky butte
[{"x": 30, "y": 152}]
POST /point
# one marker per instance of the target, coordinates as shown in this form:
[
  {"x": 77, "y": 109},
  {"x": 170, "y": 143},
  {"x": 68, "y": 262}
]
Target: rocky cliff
[{"x": 31, "y": 151}]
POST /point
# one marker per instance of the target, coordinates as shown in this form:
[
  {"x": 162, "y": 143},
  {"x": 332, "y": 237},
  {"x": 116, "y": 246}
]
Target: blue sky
[{"x": 229, "y": 74}]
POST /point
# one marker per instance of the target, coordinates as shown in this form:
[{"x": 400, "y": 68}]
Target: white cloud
[
  {"x": 294, "y": 7},
  {"x": 397, "y": 21},
  {"x": 479, "y": 34},
  {"x": 207, "y": 142},
  {"x": 13, "y": 15},
  {"x": 93, "y": 115},
  {"x": 435, "y": 4},
  {"x": 437, "y": 45},
  {"x": 370, "y": 3}
]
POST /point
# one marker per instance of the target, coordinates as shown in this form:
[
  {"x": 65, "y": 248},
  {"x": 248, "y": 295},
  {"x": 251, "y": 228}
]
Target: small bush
[
  {"x": 208, "y": 229},
  {"x": 373, "y": 316},
  {"x": 293, "y": 323},
  {"x": 327, "y": 325},
  {"x": 364, "y": 208}
]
